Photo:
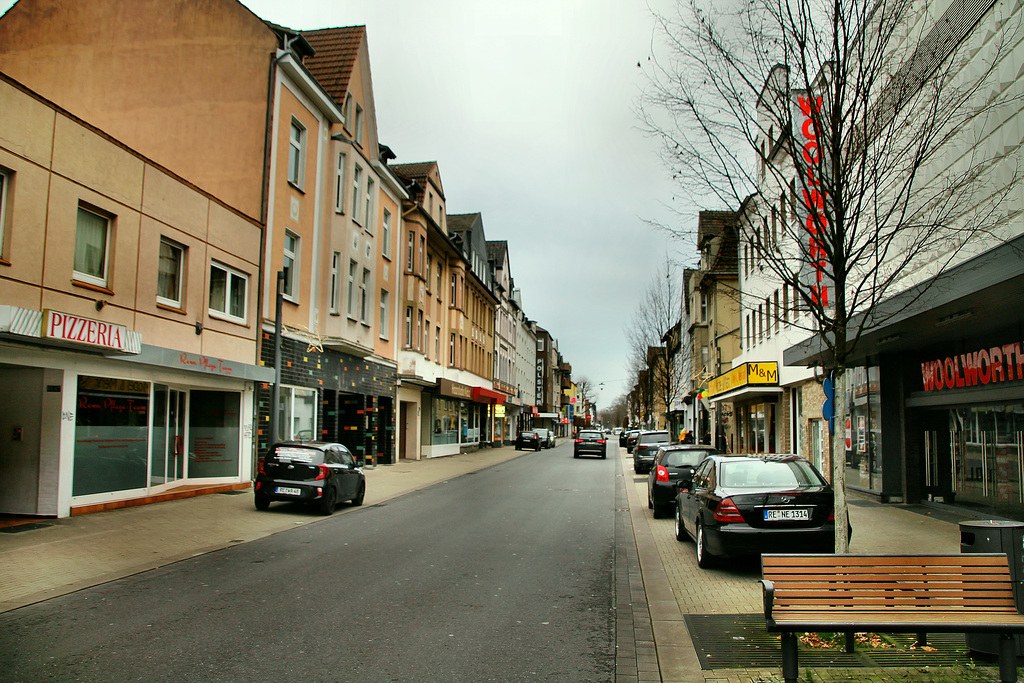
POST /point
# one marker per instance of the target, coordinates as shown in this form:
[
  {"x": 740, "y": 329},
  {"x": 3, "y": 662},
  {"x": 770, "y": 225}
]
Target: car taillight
[
  {"x": 579, "y": 440},
  {"x": 322, "y": 474},
  {"x": 661, "y": 473},
  {"x": 728, "y": 512},
  {"x": 600, "y": 440},
  {"x": 832, "y": 516},
  {"x": 259, "y": 467}
]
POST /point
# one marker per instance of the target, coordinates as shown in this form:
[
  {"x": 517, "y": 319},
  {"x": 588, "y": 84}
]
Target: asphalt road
[{"x": 502, "y": 575}]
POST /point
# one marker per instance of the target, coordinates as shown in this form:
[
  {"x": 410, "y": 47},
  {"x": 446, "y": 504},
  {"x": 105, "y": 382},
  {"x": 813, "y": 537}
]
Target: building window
[
  {"x": 371, "y": 221},
  {"x": 357, "y": 180},
  {"x": 410, "y": 256},
  {"x": 92, "y": 238},
  {"x": 430, "y": 261},
  {"x": 297, "y": 414},
  {"x": 419, "y": 330},
  {"x": 296, "y": 153},
  {"x": 423, "y": 243},
  {"x": 437, "y": 343},
  {"x": 408, "y": 326},
  {"x": 384, "y": 316},
  {"x": 452, "y": 303},
  {"x": 335, "y": 281},
  {"x": 169, "y": 274},
  {"x": 364, "y": 303},
  {"x": 347, "y": 111},
  {"x": 385, "y": 235},
  {"x": 703, "y": 307},
  {"x": 290, "y": 263},
  {"x": 228, "y": 293},
  {"x": 438, "y": 281},
  {"x": 339, "y": 185},
  {"x": 5, "y": 182},
  {"x": 352, "y": 269},
  {"x": 357, "y": 130},
  {"x": 451, "y": 350}
]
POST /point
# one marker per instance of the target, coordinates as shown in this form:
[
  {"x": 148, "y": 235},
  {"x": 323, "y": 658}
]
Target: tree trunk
[{"x": 842, "y": 510}]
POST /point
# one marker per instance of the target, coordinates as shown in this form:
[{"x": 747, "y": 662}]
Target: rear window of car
[
  {"x": 654, "y": 437},
  {"x": 683, "y": 458},
  {"x": 293, "y": 454},
  {"x": 769, "y": 474},
  {"x": 591, "y": 435}
]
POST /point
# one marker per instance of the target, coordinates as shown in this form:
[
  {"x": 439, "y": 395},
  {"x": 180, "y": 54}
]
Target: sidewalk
[
  {"x": 676, "y": 588},
  {"x": 59, "y": 556}
]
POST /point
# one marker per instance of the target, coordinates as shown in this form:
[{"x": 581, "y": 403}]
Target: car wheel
[
  {"x": 575, "y": 455},
  {"x": 681, "y": 534},
  {"x": 262, "y": 502},
  {"x": 604, "y": 456},
  {"x": 327, "y": 502},
  {"x": 358, "y": 500},
  {"x": 703, "y": 556}
]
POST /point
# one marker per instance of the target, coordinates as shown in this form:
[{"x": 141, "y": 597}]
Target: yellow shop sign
[{"x": 744, "y": 375}]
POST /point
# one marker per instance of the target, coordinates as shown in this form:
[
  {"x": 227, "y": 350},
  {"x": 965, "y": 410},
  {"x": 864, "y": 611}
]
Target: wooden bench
[{"x": 970, "y": 593}]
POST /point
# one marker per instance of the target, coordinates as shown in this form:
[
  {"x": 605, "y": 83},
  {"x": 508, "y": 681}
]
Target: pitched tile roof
[
  {"x": 460, "y": 222},
  {"x": 336, "y": 53},
  {"x": 496, "y": 250}
]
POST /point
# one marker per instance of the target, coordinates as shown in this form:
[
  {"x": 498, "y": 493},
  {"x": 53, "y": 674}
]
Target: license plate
[
  {"x": 287, "y": 491},
  {"x": 787, "y": 515}
]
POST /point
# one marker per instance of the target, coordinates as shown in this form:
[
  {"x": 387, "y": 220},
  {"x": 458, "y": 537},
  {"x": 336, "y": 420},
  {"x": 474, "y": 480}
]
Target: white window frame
[
  {"x": 231, "y": 274},
  {"x": 352, "y": 267},
  {"x": 290, "y": 263},
  {"x": 385, "y": 305},
  {"x": 408, "y": 327},
  {"x": 369, "y": 217},
  {"x": 176, "y": 301},
  {"x": 357, "y": 180},
  {"x": 286, "y": 412},
  {"x": 357, "y": 130},
  {"x": 296, "y": 152},
  {"x": 339, "y": 184},
  {"x": 5, "y": 183},
  {"x": 364, "y": 301},
  {"x": 99, "y": 280},
  {"x": 385, "y": 235},
  {"x": 335, "y": 281}
]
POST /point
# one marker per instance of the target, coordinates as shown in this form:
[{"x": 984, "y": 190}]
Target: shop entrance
[
  {"x": 168, "y": 445},
  {"x": 974, "y": 457}
]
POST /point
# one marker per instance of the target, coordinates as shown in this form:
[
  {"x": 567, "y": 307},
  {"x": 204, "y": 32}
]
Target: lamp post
[{"x": 275, "y": 392}]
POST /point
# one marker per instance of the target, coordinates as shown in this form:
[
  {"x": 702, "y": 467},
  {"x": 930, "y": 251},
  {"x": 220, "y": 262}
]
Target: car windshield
[
  {"x": 591, "y": 435},
  {"x": 654, "y": 437},
  {"x": 683, "y": 458},
  {"x": 769, "y": 474}
]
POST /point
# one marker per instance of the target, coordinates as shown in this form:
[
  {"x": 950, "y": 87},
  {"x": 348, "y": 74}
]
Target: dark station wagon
[{"x": 319, "y": 473}]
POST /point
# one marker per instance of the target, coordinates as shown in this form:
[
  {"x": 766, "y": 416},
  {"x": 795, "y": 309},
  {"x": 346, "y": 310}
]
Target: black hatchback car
[
  {"x": 647, "y": 444},
  {"x": 590, "y": 442},
  {"x": 529, "y": 439},
  {"x": 672, "y": 471},
  {"x": 750, "y": 504},
  {"x": 316, "y": 472}
]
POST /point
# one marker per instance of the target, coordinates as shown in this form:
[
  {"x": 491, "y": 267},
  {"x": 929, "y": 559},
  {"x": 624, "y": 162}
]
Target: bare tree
[
  {"x": 651, "y": 342},
  {"x": 857, "y": 139}
]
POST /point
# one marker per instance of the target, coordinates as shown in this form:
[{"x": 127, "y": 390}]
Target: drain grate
[
  {"x": 739, "y": 641},
  {"x": 18, "y": 528}
]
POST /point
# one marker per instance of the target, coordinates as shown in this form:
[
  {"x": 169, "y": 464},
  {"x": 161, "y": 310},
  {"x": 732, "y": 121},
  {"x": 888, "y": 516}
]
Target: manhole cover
[{"x": 740, "y": 641}]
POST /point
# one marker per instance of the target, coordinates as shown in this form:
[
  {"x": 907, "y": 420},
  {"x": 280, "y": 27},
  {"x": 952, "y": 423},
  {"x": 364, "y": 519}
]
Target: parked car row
[{"x": 535, "y": 439}]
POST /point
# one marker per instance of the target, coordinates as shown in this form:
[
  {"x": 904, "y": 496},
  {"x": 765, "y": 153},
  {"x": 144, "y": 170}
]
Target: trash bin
[{"x": 996, "y": 536}]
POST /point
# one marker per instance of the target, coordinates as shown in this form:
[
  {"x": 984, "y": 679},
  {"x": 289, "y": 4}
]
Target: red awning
[{"x": 488, "y": 396}]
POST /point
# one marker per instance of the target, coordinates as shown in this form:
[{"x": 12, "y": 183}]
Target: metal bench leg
[
  {"x": 790, "y": 666},
  {"x": 1007, "y": 658},
  {"x": 851, "y": 642},
  {"x": 922, "y": 639}
]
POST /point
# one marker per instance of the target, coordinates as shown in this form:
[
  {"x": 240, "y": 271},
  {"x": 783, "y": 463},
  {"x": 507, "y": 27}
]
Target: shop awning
[{"x": 482, "y": 395}]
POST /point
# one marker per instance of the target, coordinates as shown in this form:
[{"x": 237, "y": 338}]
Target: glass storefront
[
  {"x": 454, "y": 422},
  {"x": 132, "y": 435},
  {"x": 863, "y": 429},
  {"x": 987, "y": 444},
  {"x": 757, "y": 428}
]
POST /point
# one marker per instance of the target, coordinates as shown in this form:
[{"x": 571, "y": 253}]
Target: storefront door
[
  {"x": 168, "y": 449},
  {"x": 987, "y": 446}
]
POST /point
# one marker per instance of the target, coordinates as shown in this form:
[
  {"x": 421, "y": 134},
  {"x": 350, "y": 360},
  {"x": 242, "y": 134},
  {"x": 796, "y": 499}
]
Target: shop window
[
  {"x": 297, "y": 414},
  {"x": 445, "y": 418},
  {"x": 214, "y": 434},
  {"x": 111, "y": 435}
]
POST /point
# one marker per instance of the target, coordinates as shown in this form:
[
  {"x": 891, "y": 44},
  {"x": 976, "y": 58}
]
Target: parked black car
[
  {"x": 647, "y": 444},
  {"x": 528, "y": 439},
  {"x": 590, "y": 442},
  {"x": 316, "y": 472},
  {"x": 672, "y": 471},
  {"x": 631, "y": 436},
  {"x": 749, "y": 504},
  {"x": 547, "y": 437}
]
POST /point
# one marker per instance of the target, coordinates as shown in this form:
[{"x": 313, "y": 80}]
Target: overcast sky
[{"x": 528, "y": 108}]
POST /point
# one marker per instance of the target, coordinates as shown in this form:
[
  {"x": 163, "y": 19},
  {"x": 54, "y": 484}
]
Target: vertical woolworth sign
[{"x": 810, "y": 200}]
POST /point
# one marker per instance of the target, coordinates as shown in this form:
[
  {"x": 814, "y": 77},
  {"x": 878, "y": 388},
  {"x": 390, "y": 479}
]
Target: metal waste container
[{"x": 996, "y": 536}]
